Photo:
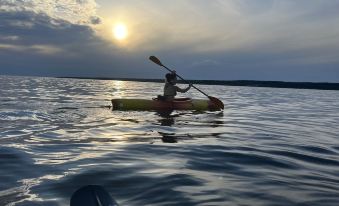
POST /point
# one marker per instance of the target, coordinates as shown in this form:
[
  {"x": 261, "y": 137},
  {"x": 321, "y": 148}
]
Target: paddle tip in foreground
[
  {"x": 155, "y": 60},
  {"x": 92, "y": 195},
  {"x": 217, "y": 102}
]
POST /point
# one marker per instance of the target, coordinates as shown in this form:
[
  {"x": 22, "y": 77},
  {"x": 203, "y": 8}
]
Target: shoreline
[{"x": 246, "y": 83}]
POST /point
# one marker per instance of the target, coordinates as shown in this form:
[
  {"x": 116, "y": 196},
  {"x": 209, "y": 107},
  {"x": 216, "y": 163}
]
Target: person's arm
[{"x": 183, "y": 90}]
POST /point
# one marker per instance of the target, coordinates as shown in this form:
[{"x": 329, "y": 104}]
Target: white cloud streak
[{"x": 39, "y": 49}]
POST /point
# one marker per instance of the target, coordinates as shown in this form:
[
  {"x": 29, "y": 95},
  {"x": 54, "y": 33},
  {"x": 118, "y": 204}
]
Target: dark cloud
[
  {"x": 55, "y": 47},
  {"x": 31, "y": 28},
  {"x": 95, "y": 20}
]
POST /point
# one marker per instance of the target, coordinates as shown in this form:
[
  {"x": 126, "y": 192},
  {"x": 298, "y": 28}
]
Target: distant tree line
[{"x": 248, "y": 83}]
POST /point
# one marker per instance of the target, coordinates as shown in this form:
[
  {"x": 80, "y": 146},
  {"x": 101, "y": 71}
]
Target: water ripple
[{"x": 269, "y": 146}]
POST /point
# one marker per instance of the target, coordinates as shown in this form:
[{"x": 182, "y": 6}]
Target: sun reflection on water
[{"x": 119, "y": 88}]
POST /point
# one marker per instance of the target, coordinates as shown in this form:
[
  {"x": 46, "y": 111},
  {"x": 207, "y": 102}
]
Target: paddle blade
[
  {"x": 155, "y": 60},
  {"x": 217, "y": 102},
  {"x": 92, "y": 195}
]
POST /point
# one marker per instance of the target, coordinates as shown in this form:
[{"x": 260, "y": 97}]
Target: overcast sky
[{"x": 288, "y": 40}]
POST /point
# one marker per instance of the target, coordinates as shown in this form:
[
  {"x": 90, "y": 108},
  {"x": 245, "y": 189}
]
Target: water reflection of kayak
[
  {"x": 92, "y": 195},
  {"x": 156, "y": 104}
]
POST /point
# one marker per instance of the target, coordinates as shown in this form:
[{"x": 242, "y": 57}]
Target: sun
[{"x": 120, "y": 31}]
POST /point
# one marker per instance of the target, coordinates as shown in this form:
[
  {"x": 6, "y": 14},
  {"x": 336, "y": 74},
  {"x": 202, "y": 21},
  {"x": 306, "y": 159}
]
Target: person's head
[{"x": 171, "y": 78}]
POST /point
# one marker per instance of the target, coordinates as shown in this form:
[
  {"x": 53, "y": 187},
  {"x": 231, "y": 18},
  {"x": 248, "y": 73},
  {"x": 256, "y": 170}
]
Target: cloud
[
  {"x": 9, "y": 38},
  {"x": 234, "y": 25},
  {"x": 234, "y": 39},
  {"x": 205, "y": 63},
  {"x": 40, "y": 49},
  {"x": 56, "y": 47},
  {"x": 95, "y": 20},
  {"x": 78, "y": 12},
  {"x": 30, "y": 28}
]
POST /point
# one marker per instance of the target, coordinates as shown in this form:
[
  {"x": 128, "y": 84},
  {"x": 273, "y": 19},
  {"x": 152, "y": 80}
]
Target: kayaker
[{"x": 170, "y": 88}]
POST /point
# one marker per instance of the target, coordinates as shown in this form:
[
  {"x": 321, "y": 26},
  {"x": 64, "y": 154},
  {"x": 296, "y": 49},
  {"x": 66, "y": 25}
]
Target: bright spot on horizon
[{"x": 120, "y": 31}]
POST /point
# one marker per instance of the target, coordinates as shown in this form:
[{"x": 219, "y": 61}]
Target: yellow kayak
[{"x": 156, "y": 104}]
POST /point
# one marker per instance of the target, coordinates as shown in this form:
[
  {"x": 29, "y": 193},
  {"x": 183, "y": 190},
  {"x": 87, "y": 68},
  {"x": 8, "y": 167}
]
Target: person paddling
[{"x": 170, "y": 88}]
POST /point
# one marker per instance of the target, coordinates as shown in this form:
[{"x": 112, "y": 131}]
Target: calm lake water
[{"x": 268, "y": 147}]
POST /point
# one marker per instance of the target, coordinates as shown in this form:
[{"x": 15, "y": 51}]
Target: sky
[{"x": 279, "y": 40}]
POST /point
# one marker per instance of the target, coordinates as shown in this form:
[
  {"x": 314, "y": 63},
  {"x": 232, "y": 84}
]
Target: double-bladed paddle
[{"x": 215, "y": 100}]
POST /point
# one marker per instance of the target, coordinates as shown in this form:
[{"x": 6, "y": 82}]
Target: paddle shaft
[{"x": 187, "y": 82}]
